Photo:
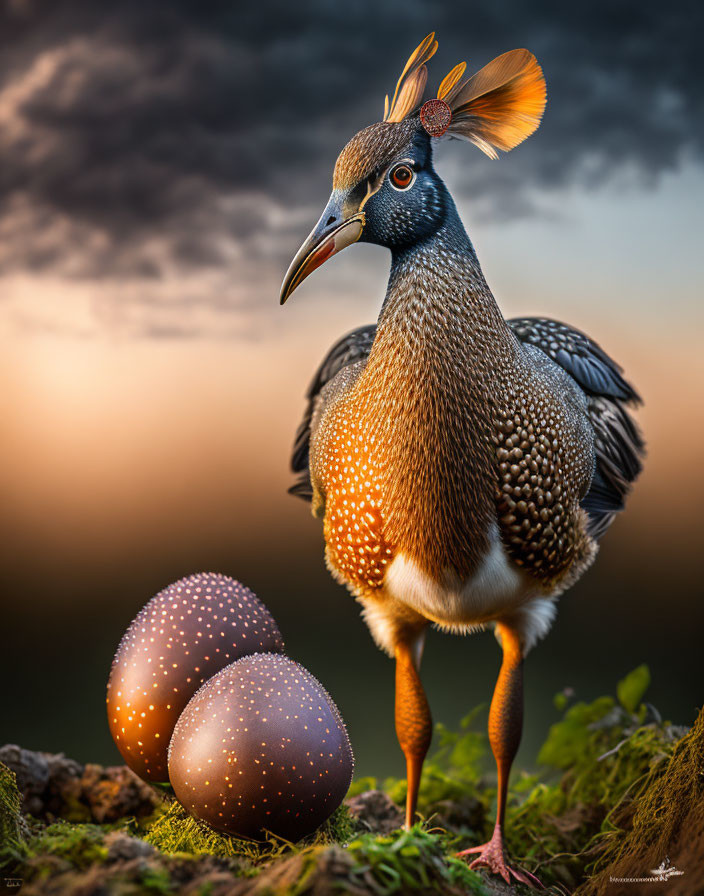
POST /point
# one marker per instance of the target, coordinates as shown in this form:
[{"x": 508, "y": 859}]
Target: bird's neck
[
  {"x": 435, "y": 374},
  {"x": 439, "y": 313}
]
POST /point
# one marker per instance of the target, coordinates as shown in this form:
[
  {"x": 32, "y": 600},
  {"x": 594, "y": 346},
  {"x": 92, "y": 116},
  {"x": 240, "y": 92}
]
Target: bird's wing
[
  {"x": 618, "y": 444},
  {"x": 350, "y": 349},
  {"x": 583, "y": 359}
]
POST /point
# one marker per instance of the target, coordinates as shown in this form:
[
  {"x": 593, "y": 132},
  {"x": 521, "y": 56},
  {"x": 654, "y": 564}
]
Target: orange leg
[
  {"x": 414, "y": 726},
  {"x": 505, "y": 727}
]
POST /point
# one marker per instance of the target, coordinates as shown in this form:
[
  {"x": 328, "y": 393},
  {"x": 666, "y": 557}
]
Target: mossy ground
[
  {"x": 177, "y": 833},
  {"x": 417, "y": 860},
  {"x": 607, "y": 769},
  {"x": 13, "y": 828}
]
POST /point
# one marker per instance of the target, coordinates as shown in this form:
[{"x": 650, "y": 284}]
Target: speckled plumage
[
  {"x": 451, "y": 423},
  {"x": 464, "y": 465},
  {"x": 444, "y": 419},
  {"x": 373, "y": 148}
]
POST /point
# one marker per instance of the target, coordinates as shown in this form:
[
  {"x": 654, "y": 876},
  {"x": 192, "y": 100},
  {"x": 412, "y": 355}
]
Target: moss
[
  {"x": 177, "y": 832},
  {"x": 156, "y": 881},
  {"x": 361, "y": 785},
  {"x": 666, "y": 821},
  {"x": 13, "y": 829},
  {"x": 79, "y": 845},
  {"x": 594, "y": 762},
  {"x": 339, "y": 828},
  {"x": 605, "y": 751},
  {"x": 410, "y": 861},
  {"x": 205, "y": 889},
  {"x": 615, "y": 789}
]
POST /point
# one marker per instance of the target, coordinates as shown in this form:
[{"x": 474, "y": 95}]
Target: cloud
[{"x": 150, "y": 144}]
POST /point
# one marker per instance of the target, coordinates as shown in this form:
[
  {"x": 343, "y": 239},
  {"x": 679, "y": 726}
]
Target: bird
[{"x": 465, "y": 466}]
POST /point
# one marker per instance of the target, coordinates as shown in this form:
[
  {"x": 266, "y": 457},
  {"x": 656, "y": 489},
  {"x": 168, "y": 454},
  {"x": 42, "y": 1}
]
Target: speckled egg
[
  {"x": 261, "y": 747},
  {"x": 182, "y": 637}
]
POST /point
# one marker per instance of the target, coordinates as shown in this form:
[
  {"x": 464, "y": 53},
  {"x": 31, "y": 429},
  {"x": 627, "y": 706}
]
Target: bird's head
[{"x": 384, "y": 189}]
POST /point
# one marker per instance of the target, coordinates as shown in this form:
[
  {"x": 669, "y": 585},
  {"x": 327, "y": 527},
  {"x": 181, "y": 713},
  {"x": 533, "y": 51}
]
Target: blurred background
[{"x": 159, "y": 166}]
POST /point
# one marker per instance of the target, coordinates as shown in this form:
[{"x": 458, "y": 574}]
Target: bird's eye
[{"x": 402, "y": 176}]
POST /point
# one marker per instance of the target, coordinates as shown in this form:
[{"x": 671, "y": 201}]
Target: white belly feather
[{"x": 498, "y": 589}]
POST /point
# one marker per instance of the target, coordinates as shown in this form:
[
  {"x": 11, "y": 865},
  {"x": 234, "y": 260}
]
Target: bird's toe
[{"x": 492, "y": 856}]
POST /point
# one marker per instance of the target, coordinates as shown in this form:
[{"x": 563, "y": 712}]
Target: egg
[
  {"x": 182, "y": 637},
  {"x": 261, "y": 747}
]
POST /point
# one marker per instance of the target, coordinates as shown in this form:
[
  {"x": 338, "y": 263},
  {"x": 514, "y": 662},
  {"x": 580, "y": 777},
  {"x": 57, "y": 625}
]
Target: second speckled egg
[{"x": 261, "y": 747}]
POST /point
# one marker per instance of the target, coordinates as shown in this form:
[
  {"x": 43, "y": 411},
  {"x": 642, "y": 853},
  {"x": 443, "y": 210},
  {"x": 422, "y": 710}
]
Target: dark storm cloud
[{"x": 135, "y": 138}]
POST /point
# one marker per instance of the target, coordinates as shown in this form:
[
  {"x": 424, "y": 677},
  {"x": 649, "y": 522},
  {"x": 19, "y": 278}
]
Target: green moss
[
  {"x": 80, "y": 845},
  {"x": 205, "y": 889},
  {"x": 601, "y": 793},
  {"x": 558, "y": 824},
  {"x": 361, "y": 785},
  {"x": 415, "y": 860},
  {"x": 594, "y": 763},
  {"x": 666, "y": 819},
  {"x": 13, "y": 830},
  {"x": 156, "y": 881},
  {"x": 339, "y": 828},
  {"x": 410, "y": 861},
  {"x": 177, "y": 832},
  {"x": 582, "y": 727}
]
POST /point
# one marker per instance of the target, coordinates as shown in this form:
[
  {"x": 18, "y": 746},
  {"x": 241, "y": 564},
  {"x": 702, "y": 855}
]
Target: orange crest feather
[
  {"x": 499, "y": 106},
  {"x": 446, "y": 90},
  {"x": 411, "y": 84}
]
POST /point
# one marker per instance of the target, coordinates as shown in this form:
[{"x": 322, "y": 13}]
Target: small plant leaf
[
  {"x": 560, "y": 701},
  {"x": 630, "y": 690}
]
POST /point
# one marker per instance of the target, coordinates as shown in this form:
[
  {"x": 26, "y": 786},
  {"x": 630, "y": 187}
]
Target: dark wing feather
[
  {"x": 619, "y": 450},
  {"x": 353, "y": 347},
  {"x": 618, "y": 444},
  {"x": 588, "y": 363}
]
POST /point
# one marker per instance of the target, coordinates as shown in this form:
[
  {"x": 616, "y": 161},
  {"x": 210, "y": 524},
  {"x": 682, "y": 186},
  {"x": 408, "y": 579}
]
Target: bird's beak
[{"x": 339, "y": 226}]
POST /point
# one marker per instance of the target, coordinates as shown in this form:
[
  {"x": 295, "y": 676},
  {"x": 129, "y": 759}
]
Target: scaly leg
[
  {"x": 505, "y": 726},
  {"x": 414, "y": 726}
]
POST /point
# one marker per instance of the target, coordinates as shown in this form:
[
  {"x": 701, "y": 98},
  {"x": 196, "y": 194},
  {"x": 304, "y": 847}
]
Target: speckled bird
[{"x": 465, "y": 466}]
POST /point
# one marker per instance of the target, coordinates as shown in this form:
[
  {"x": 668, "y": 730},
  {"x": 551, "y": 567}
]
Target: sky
[{"x": 160, "y": 164}]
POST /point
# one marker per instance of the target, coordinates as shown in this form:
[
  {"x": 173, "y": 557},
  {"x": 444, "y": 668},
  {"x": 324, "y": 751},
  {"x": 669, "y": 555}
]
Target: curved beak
[{"x": 337, "y": 228}]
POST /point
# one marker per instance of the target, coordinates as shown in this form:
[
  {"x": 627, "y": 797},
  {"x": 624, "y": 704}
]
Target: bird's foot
[{"x": 492, "y": 855}]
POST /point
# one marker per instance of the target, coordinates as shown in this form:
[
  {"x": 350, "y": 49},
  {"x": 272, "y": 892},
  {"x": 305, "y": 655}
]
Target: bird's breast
[
  {"x": 350, "y": 462},
  {"x": 394, "y": 486}
]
